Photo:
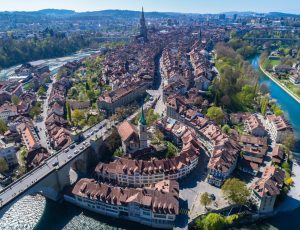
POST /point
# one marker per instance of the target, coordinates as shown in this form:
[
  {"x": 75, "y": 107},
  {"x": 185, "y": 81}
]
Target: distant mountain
[
  {"x": 270, "y": 14},
  {"x": 126, "y": 13},
  {"x": 280, "y": 14},
  {"x": 91, "y": 14},
  {"x": 55, "y": 12}
]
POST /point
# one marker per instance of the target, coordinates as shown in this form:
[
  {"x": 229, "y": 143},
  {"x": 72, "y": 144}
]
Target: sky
[{"x": 184, "y": 6}]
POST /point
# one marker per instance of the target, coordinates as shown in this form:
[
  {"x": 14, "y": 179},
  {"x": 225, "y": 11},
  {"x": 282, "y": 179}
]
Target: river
[{"x": 35, "y": 212}]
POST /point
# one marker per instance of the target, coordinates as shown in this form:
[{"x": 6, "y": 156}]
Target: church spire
[
  {"x": 142, "y": 119},
  {"x": 143, "y": 28},
  {"x": 143, "y": 15}
]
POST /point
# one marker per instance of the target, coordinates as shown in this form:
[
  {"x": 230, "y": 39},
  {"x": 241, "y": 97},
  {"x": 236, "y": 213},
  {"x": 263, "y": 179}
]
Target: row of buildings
[{"x": 55, "y": 123}]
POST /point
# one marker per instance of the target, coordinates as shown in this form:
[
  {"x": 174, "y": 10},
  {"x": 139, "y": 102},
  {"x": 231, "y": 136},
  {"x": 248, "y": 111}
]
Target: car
[
  {"x": 212, "y": 196},
  {"x": 69, "y": 156},
  {"x": 81, "y": 148},
  {"x": 85, "y": 143},
  {"x": 66, "y": 150},
  {"x": 72, "y": 146},
  {"x": 76, "y": 151},
  {"x": 55, "y": 164}
]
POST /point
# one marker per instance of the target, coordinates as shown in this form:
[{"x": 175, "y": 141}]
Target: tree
[
  {"x": 236, "y": 191},
  {"x": 246, "y": 97},
  {"x": 92, "y": 120},
  {"x": 69, "y": 114},
  {"x": 3, "y": 126},
  {"x": 3, "y": 165},
  {"x": 114, "y": 141},
  {"x": 289, "y": 142},
  {"x": 264, "y": 105},
  {"x": 226, "y": 129},
  {"x": 264, "y": 89},
  {"x": 35, "y": 111},
  {"x": 87, "y": 86},
  {"x": 119, "y": 152},
  {"x": 205, "y": 199},
  {"x": 23, "y": 155},
  {"x": 216, "y": 114},
  {"x": 15, "y": 99},
  {"x": 41, "y": 91},
  {"x": 78, "y": 116},
  {"x": 213, "y": 221},
  {"x": 171, "y": 150}
]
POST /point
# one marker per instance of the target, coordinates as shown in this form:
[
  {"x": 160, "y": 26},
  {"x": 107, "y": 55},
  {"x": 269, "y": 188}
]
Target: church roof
[{"x": 126, "y": 130}]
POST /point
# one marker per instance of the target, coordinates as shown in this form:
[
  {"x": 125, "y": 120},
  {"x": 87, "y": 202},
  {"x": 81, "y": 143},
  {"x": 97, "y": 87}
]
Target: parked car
[{"x": 55, "y": 164}]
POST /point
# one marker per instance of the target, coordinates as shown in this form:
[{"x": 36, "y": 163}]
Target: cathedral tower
[
  {"x": 143, "y": 28},
  {"x": 142, "y": 127}
]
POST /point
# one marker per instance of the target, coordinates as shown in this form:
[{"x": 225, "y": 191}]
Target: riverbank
[{"x": 286, "y": 89}]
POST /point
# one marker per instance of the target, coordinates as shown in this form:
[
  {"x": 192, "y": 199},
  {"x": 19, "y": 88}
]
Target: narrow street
[{"x": 40, "y": 123}]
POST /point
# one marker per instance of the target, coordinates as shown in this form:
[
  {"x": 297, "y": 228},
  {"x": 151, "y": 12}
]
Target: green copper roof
[{"x": 142, "y": 119}]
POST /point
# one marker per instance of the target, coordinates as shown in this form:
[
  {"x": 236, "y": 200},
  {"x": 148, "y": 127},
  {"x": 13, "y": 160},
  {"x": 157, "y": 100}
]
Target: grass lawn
[{"x": 271, "y": 62}]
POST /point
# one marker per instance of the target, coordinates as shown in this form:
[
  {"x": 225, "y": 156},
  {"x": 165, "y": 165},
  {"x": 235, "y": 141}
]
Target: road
[
  {"x": 54, "y": 162},
  {"x": 40, "y": 124}
]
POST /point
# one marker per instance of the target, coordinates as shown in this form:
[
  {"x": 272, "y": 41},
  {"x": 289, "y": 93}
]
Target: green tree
[
  {"x": 289, "y": 142},
  {"x": 212, "y": 221},
  {"x": 23, "y": 155},
  {"x": 277, "y": 110},
  {"x": 3, "y": 126},
  {"x": 41, "y": 91},
  {"x": 205, "y": 199},
  {"x": 35, "y": 111},
  {"x": 119, "y": 152},
  {"x": 87, "y": 87},
  {"x": 286, "y": 167},
  {"x": 91, "y": 95},
  {"x": 78, "y": 117},
  {"x": 92, "y": 120},
  {"x": 216, "y": 114},
  {"x": 69, "y": 114},
  {"x": 171, "y": 150},
  {"x": 226, "y": 129},
  {"x": 114, "y": 141},
  {"x": 15, "y": 99},
  {"x": 236, "y": 191},
  {"x": 264, "y": 105},
  {"x": 3, "y": 165},
  {"x": 246, "y": 97}
]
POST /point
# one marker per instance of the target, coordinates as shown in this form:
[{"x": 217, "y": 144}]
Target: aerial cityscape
[{"x": 151, "y": 115}]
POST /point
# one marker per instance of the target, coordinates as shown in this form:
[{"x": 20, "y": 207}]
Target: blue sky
[{"x": 192, "y": 6}]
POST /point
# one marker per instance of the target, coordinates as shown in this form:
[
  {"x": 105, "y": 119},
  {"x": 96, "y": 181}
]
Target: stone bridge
[{"x": 51, "y": 186}]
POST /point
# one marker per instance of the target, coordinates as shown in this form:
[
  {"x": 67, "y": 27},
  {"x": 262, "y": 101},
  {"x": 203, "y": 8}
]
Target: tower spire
[
  {"x": 142, "y": 119},
  {"x": 143, "y": 28}
]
